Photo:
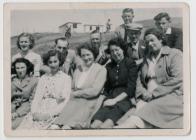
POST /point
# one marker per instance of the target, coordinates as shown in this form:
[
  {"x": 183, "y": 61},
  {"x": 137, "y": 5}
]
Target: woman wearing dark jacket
[{"x": 119, "y": 87}]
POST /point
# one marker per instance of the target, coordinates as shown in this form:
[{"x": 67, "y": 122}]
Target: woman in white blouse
[{"x": 52, "y": 93}]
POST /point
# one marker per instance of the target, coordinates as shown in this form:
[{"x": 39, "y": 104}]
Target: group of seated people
[{"x": 132, "y": 82}]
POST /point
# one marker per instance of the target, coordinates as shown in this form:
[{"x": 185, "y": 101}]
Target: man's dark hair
[
  {"x": 126, "y": 10},
  {"x": 162, "y": 15}
]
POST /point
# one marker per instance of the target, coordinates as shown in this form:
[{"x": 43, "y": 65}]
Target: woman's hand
[
  {"x": 147, "y": 96},
  {"x": 14, "y": 115},
  {"x": 76, "y": 94},
  {"x": 109, "y": 102},
  {"x": 60, "y": 99},
  {"x": 41, "y": 117}
]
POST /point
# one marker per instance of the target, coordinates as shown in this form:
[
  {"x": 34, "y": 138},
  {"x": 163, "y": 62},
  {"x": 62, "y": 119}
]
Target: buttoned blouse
[{"x": 121, "y": 78}]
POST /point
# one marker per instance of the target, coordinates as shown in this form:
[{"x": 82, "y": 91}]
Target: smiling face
[
  {"x": 163, "y": 24},
  {"x": 87, "y": 57},
  {"x": 24, "y": 43},
  {"x": 21, "y": 70},
  {"x": 116, "y": 53},
  {"x": 153, "y": 43},
  {"x": 96, "y": 40},
  {"x": 127, "y": 17},
  {"x": 53, "y": 63}
]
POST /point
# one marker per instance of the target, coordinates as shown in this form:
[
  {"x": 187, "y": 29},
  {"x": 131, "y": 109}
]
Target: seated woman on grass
[
  {"x": 160, "y": 87},
  {"x": 23, "y": 85},
  {"x": 52, "y": 94}
]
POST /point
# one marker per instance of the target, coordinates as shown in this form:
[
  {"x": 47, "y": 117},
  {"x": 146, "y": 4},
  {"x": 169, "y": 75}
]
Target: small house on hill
[
  {"x": 91, "y": 27},
  {"x": 71, "y": 27}
]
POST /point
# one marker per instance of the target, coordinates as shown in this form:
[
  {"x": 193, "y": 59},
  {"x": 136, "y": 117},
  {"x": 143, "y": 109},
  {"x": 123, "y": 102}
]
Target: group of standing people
[{"x": 97, "y": 85}]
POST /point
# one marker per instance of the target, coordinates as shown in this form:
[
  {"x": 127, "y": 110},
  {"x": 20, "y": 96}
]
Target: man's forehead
[
  {"x": 127, "y": 13},
  {"x": 163, "y": 19},
  {"x": 62, "y": 42},
  {"x": 134, "y": 31}
]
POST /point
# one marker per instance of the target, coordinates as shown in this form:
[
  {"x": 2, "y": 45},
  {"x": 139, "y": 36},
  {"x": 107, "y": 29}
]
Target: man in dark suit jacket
[
  {"x": 173, "y": 36},
  {"x": 135, "y": 46}
]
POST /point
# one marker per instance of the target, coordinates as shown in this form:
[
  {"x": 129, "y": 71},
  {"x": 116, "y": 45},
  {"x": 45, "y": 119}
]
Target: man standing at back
[
  {"x": 172, "y": 35},
  {"x": 131, "y": 33},
  {"x": 127, "y": 16}
]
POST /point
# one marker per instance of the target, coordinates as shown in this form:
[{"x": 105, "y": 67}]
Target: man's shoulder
[
  {"x": 120, "y": 27},
  {"x": 171, "y": 51},
  {"x": 176, "y": 30}
]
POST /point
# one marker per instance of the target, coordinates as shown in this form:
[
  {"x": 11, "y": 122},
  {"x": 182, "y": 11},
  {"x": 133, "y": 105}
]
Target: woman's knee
[
  {"x": 107, "y": 124},
  {"x": 96, "y": 124}
]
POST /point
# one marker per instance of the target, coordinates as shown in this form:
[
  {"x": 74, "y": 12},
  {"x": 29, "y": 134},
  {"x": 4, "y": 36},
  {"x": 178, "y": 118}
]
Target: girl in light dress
[{"x": 52, "y": 93}]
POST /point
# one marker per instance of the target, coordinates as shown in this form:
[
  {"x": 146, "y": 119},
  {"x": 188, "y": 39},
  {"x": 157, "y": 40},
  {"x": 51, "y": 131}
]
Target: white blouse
[
  {"x": 152, "y": 84},
  {"x": 82, "y": 77},
  {"x": 48, "y": 90}
]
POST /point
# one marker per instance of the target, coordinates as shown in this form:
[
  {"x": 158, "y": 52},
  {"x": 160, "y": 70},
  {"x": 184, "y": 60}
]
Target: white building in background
[
  {"x": 77, "y": 27},
  {"x": 92, "y": 27},
  {"x": 74, "y": 27}
]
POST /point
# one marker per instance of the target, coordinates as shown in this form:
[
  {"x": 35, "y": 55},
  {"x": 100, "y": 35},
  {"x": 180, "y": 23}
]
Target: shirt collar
[
  {"x": 168, "y": 32},
  {"x": 135, "y": 46},
  {"x": 164, "y": 51}
]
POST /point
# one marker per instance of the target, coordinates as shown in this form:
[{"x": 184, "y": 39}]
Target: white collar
[
  {"x": 168, "y": 32},
  {"x": 136, "y": 46}
]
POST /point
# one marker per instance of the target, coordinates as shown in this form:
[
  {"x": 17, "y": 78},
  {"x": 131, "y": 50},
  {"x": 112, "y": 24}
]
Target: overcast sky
[{"x": 49, "y": 20}]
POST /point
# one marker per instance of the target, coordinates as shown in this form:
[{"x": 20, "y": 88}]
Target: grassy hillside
[{"x": 45, "y": 41}]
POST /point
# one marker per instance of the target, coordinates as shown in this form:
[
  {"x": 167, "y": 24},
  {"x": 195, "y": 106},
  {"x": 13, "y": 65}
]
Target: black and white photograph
[{"x": 96, "y": 69}]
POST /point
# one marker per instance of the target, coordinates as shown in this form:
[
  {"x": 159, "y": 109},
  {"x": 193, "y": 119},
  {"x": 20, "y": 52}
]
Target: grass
[{"x": 45, "y": 41}]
